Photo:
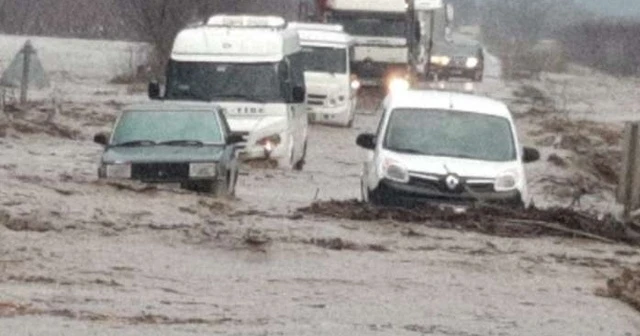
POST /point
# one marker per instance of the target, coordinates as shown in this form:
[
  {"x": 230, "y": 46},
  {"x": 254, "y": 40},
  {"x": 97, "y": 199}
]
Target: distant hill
[{"x": 620, "y": 8}]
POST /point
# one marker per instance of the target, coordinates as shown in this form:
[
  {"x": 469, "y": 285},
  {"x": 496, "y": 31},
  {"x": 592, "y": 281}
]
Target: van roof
[
  {"x": 391, "y": 6},
  {"x": 322, "y": 34},
  {"x": 236, "y": 39},
  {"x": 432, "y": 99}
]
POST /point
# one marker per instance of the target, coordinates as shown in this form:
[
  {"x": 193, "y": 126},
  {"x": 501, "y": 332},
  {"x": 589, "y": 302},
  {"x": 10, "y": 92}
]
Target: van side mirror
[
  {"x": 530, "y": 155},
  {"x": 366, "y": 141},
  {"x": 153, "y": 90},
  {"x": 234, "y": 138},
  {"x": 102, "y": 138},
  {"x": 298, "y": 94}
]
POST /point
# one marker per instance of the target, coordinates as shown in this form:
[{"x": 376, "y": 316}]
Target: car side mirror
[
  {"x": 102, "y": 138},
  {"x": 366, "y": 141},
  {"x": 298, "y": 94},
  {"x": 153, "y": 90},
  {"x": 235, "y": 138},
  {"x": 530, "y": 155}
]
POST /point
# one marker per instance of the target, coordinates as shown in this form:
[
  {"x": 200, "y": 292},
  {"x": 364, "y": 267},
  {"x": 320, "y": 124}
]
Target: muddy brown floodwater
[{"x": 83, "y": 257}]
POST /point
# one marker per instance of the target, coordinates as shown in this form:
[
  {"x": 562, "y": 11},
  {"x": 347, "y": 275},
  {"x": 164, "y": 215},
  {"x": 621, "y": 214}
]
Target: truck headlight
[
  {"x": 506, "y": 181},
  {"x": 118, "y": 170},
  {"x": 395, "y": 171},
  {"x": 440, "y": 60},
  {"x": 398, "y": 85},
  {"x": 472, "y": 62},
  {"x": 207, "y": 169}
]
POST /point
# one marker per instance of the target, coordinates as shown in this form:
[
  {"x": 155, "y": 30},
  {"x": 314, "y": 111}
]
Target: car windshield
[
  {"x": 324, "y": 59},
  {"x": 153, "y": 127},
  {"x": 210, "y": 81},
  {"x": 371, "y": 24},
  {"x": 450, "y": 134}
]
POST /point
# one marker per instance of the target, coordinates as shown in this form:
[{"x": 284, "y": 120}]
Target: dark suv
[{"x": 461, "y": 59}]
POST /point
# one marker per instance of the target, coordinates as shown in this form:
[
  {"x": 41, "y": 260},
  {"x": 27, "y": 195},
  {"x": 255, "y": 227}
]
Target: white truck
[
  {"x": 392, "y": 37},
  {"x": 331, "y": 87},
  {"x": 252, "y": 67}
]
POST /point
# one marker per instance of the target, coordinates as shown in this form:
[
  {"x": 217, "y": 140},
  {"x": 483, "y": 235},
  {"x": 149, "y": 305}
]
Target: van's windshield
[
  {"x": 450, "y": 134},
  {"x": 210, "y": 81},
  {"x": 325, "y": 59}
]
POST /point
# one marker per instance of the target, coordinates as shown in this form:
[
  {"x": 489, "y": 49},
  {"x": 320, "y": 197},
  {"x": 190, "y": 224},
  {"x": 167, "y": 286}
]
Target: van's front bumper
[
  {"x": 329, "y": 115},
  {"x": 402, "y": 194}
]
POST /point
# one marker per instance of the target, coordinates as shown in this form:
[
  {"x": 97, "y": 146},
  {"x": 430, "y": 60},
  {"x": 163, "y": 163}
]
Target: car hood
[
  {"x": 455, "y": 49},
  {"x": 163, "y": 154},
  {"x": 443, "y": 165}
]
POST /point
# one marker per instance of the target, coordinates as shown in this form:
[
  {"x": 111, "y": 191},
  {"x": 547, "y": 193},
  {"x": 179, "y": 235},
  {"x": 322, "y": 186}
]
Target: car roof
[
  {"x": 433, "y": 99},
  {"x": 174, "y": 106}
]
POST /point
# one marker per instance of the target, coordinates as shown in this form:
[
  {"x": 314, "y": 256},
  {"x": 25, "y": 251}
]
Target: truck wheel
[{"x": 300, "y": 164}]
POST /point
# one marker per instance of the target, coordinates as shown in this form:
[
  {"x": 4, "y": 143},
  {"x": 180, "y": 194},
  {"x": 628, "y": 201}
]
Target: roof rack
[
  {"x": 317, "y": 26},
  {"x": 247, "y": 21}
]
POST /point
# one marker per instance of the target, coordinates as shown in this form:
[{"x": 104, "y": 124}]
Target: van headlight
[
  {"x": 118, "y": 170},
  {"x": 269, "y": 142},
  {"x": 395, "y": 171},
  {"x": 472, "y": 62},
  {"x": 207, "y": 169},
  {"x": 506, "y": 181}
]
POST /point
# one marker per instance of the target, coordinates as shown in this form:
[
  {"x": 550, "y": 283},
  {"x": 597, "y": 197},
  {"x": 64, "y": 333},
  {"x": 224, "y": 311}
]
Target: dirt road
[{"x": 80, "y": 257}]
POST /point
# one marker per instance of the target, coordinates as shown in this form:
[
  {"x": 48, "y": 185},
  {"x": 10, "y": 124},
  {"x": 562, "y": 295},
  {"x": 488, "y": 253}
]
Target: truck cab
[
  {"x": 379, "y": 31},
  {"x": 250, "y": 66},
  {"x": 331, "y": 86}
]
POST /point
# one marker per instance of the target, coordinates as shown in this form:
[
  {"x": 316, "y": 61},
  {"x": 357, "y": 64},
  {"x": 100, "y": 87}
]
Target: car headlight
[
  {"x": 440, "y": 60},
  {"x": 472, "y": 62},
  {"x": 395, "y": 171},
  {"x": 398, "y": 85},
  {"x": 118, "y": 170},
  {"x": 207, "y": 169},
  {"x": 269, "y": 142},
  {"x": 506, "y": 181}
]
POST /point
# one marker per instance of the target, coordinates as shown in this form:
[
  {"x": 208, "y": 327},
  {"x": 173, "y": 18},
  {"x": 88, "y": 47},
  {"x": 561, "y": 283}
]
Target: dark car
[
  {"x": 172, "y": 142},
  {"x": 457, "y": 59}
]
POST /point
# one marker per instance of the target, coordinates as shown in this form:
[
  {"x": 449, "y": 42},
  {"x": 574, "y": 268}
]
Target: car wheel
[{"x": 300, "y": 164}]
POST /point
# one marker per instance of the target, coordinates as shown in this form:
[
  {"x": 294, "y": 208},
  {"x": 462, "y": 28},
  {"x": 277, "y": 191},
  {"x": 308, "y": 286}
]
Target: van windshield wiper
[
  {"x": 459, "y": 156},
  {"x": 135, "y": 143},
  {"x": 406, "y": 150},
  {"x": 182, "y": 143},
  {"x": 241, "y": 96}
]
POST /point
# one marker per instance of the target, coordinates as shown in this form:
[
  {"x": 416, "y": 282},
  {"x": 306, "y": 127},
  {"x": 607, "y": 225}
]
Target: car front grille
[
  {"x": 440, "y": 185},
  {"x": 459, "y": 61},
  {"x": 160, "y": 171}
]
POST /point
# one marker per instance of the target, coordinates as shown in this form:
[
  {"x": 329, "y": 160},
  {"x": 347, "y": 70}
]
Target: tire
[{"x": 300, "y": 164}]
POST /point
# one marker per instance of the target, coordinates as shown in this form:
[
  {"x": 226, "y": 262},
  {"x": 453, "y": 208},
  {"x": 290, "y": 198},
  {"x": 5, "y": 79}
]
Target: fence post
[{"x": 27, "y": 51}]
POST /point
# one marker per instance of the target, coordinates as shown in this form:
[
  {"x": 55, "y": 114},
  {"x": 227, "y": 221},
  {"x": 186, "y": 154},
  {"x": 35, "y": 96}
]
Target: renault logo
[{"x": 452, "y": 182}]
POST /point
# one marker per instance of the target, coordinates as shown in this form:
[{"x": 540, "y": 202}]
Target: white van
[
  {"x": 252, "y": 67},
  {"x": 331, "y": 89}
]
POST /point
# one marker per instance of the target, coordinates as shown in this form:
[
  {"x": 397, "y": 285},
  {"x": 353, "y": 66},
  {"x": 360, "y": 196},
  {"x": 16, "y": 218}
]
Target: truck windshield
[
  {"x": 210, "y": 81},
  {"x": 324, "y": 59},
  {"x": 371, "y": 24},
  {"x": 450, "y": 134}
]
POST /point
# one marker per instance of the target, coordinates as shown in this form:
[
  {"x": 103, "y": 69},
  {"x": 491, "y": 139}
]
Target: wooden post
[
  {"x": 628, "y": 189},
  {"x": 27, "y": 51}
]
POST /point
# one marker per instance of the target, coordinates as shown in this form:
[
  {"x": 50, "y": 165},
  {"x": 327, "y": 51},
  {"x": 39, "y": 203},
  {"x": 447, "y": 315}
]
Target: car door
[
  {"x": 372, "y": 156},
  {"x": 231, "y": 164}
]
